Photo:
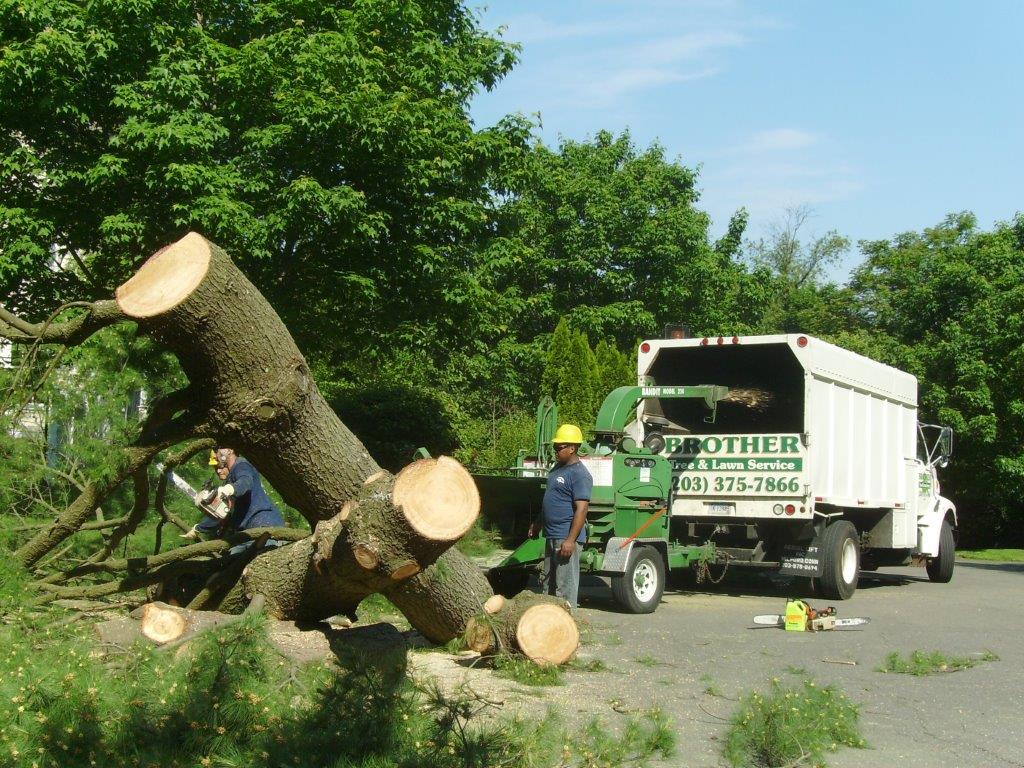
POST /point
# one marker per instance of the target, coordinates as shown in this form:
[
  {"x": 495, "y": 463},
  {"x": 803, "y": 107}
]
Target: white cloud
[
  {"x": 529, "y": 30},
  {"x": 780, "y": 139},
  {"x": 635, "y": 79},
  {"x": 692, "y": 45}
]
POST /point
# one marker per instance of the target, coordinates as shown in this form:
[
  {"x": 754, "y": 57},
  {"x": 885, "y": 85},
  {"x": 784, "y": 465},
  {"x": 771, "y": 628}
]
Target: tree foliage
[
  {"x": 947, "y": 304},
  {"x": 792, "y": 273},
  {"x": 610, "y": 237},
  {"x": 326, "y": 145}
]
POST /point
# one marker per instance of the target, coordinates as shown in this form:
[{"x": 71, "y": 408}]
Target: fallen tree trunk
[
  {"x": 539, "y": 627},
  {"x": 251, "y": 388},
  {"x": 380, "y": 643}
]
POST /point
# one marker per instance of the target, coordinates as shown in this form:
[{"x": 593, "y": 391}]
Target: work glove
[
  {"x": 226, "y": 491},
  {"x": 191, "y": 534}
]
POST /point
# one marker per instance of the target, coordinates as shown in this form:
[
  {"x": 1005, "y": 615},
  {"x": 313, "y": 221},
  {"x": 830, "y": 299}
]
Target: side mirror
[{"x": 946, "y": 443}]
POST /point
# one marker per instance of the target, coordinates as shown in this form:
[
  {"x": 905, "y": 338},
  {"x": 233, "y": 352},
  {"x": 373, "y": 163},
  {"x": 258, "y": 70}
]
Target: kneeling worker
[
  {"x": 564, "y": 509},
  {"x": 243, "y": 490}
]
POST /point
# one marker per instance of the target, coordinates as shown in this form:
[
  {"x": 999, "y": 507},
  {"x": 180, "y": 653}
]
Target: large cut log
[
  {"x": 376, "y": 533},
  {"x": 381, "y": 644},
  {"x": 163, "y": 623},
  {"x": 539, "y": 627}
]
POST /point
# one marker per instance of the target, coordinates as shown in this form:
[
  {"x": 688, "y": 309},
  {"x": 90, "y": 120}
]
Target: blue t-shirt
[
  {"x": 567, "y": 484},
  {"x": 253, "y": 508}
]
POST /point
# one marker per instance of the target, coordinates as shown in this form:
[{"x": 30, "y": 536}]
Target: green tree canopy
[
  {"x": 948, "y": 305},
  {"x": 326, "y": 145},
  {"x": 609, "y": 236}
]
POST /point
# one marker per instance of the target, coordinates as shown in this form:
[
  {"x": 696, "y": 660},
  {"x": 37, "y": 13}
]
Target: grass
[
  {"x": 228, "y": 698},
  {"x": 525, "y": 672},
  {"x": 647, "y": 661},
  {"x": 791, "y": 725},
  {"x": 921, "y": 663},
  {"x": 376, "y": 608},
  {"x": 593, "y": 665},
  {"x": 993, "y": 555}
]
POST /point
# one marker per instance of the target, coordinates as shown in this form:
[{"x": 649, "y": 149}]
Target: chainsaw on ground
[{"x": 801, "y": 617}]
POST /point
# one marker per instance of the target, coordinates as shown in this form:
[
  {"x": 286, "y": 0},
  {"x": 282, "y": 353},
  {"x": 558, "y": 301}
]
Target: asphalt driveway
[{"x": 698, "y": 653}]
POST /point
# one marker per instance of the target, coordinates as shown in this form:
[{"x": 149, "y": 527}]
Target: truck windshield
[{"x": 770, "y": 372}]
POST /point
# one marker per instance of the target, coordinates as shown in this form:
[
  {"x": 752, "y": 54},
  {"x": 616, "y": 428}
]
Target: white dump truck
[{"x": 822, "y": 470}]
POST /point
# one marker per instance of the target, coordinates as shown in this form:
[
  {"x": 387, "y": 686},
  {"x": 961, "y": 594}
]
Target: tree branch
[
  {"x": 174, "y": 460},
  {"x": 135, "y": 457},
  {"x": 72, "y": 332},
  {"x": 138, "y": 565}
]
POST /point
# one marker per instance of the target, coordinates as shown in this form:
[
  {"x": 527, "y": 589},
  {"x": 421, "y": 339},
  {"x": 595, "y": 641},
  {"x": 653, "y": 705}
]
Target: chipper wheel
[
  {"x": 639, "y": 589},
  {"x": 840, "y": 560}
]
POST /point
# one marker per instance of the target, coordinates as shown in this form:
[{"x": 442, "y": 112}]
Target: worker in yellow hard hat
[{"x": 564, "y": 511}]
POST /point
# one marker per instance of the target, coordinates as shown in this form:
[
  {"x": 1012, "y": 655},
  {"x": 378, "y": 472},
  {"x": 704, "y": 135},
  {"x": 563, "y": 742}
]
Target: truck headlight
[{"x": 654, "y": 442}]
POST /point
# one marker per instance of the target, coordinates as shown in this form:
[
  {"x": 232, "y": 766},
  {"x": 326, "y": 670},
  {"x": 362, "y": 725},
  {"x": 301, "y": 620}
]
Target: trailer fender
[
  {"x": 619, "y": 548},
  {"x": 616, "y": 554}
]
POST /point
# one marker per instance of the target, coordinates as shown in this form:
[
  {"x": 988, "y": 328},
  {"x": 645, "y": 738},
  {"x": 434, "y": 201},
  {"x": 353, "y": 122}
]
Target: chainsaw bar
[{"x": 778, "y": 620}]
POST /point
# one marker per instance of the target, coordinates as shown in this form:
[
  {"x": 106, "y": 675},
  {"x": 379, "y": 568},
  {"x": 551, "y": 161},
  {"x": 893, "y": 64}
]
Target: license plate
[{"x": 721, "y": 508}]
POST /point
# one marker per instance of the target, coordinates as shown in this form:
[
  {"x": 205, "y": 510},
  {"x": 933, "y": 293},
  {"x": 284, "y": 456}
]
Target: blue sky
[{"x": 883, "y": 117}]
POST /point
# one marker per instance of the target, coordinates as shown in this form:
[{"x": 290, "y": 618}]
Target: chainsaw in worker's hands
[
  {"x": 212, "y": 503},
  {"x": 207, "y": 499},
  {"x": 801, "y": 617}
]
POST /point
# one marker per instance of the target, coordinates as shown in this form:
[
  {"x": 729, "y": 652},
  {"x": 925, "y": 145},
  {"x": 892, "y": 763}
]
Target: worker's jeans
[{"x": 561, "y": 575}]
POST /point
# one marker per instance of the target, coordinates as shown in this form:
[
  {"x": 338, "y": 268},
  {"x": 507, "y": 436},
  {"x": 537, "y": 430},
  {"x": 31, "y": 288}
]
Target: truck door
[{"x": 904, "y": 527}]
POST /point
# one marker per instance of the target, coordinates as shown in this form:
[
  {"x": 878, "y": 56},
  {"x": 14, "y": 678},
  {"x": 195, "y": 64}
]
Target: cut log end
[
  {"x": 166, "y": 279},
  {"x": 438, "y": 497},
  {"x": 404, "y": 571},
  {"x": 494, "y": 604},
  {"x": 547, "y": 634},
  {"x": 346, "y": 509},
  {"x": 366, "y": 556},
  {"x": 374, "y": 477},
  {"x": 162, "y": 624},
  {"x": 479, "y": 636}
]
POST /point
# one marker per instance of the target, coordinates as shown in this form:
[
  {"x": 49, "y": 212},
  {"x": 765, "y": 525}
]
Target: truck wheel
[
  {"x": 639, "y": 589},
  {"x": 940, "y": 567},
  {"x": 840, "y": 559}
]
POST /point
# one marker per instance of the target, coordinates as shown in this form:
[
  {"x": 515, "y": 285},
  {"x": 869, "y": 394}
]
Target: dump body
[{"x": 825, "y": 432}]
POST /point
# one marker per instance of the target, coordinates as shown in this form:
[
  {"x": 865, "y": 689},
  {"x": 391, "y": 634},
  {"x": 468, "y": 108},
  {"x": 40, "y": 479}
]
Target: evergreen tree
[
  {"x": 559, "y": 353},
  {"x": 576, "y": 390},
  {"x": 614, "y": 369}
]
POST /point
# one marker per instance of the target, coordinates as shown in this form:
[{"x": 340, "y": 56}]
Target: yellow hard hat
[
  {"x": 213, "y": 458},
  {"x": 568, "y": 433}
]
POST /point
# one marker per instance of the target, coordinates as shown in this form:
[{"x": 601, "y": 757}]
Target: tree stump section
[{"x": 539, "y": 627}]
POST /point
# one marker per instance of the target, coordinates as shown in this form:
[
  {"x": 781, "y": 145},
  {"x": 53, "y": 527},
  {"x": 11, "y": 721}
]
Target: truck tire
[
  {"x": 940, "y": 567},
  {"x": 840, "y": 559},
  {"x": 640, "y": 588}
]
